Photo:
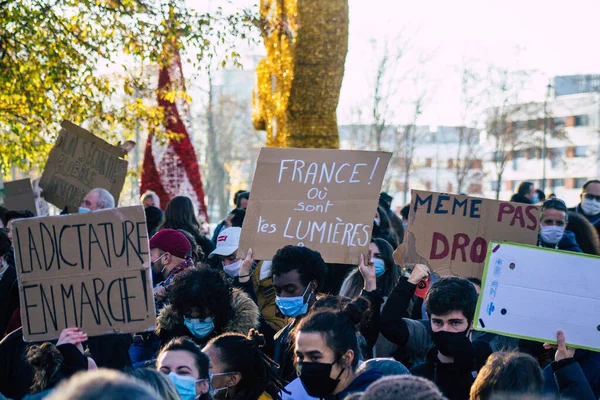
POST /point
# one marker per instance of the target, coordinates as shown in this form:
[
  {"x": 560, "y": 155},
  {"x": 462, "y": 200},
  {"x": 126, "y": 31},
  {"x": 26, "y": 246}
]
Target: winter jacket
[
  {"x": 589, "y": 363},
  {"x": 9, "y": 297},
  {"x": 245, "y": 316},
  {"x": 594, "y": 219},
  {"x": 519, "y": 198},
  {"x": 453, "y": 379},
  {"x": 567, "y": 243},
  {"x": 360, "y": 384}
]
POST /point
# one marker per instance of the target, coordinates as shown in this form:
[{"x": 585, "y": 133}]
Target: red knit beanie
[{"x": 171, "y": 241}]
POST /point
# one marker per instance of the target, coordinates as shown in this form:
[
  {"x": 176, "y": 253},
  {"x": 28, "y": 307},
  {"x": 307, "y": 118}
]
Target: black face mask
[
  {"x": 157, "y": 277},
  {"x": 316, "y": 378},
  {"x": 453, "y": 344}
]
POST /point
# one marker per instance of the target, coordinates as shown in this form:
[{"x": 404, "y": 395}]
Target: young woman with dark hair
[
  {"x": 180, "y": 214},
  {"x": 202, "y": 306},
  {"x": 327, "y": 352},
  {"x": 240, "y": 370},
  {"x": 187, "y": 367}
]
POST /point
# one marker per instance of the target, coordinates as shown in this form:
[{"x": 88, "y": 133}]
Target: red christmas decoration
[{"x": 172, "y": 170}]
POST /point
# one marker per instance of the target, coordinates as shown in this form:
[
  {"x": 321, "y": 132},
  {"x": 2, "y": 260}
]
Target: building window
[
  {"x": 579, "y": 182},
  {"x": 495, "y": 185},
  {"x": 556, "y": 183},
  {"x": 531, "y": 124},
  {"x": 581, "y": 151},
  {"x": 582, "y": 120},
  {"x": 556, "y": 157},
  {"x": 517, "y": 157},
  {"x": 559, "y": 122}
]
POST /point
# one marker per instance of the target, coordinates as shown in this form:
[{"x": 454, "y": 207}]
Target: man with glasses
[
  {"x": 553, "y": 224},
  {"x": 590, "y": 203}
]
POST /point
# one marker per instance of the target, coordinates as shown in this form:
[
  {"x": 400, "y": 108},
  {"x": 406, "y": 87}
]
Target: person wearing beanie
[
  {"x": 153, "y": 217},
  {"x": 406, "y": 387},
  {"x": 170, "y": 254}
]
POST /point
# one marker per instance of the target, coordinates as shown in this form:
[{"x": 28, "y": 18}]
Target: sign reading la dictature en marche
[
  {"x": 325, "y": 200},
  {"x": 450, "y": 233},
  {"x": 78, "y": 163},
  {"x": 90, "y": 271}
]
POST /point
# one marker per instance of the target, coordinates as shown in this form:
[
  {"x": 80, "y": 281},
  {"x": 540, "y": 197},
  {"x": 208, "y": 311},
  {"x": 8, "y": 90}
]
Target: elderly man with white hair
[{"x": 97, "y": 199}]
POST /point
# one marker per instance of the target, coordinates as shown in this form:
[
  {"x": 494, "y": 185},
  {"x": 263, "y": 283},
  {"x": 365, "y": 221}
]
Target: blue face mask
[
  {"x": 379, "y": 266},
  {"x": 84, "y": 210},
  {"x": 292, "y": 306},
  {"x": 185, "y": 385},
  {"x": 535, "y": 199},
  {"x": 199, "y": 328}
]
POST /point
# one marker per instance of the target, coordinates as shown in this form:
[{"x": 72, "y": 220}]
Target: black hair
[
  {"x": 5, "y": 244},
  {"x": 204, "y": 289},
  {"x": 449, "y": 294},
  {"x": 586, "y": 235},
  {"x": 243, "y": 195},
  {"x": 307, "y": 262},
  {"x": 153, "y": 217},
  {"x": 196, "y": 253},
  {"x": 555, "y": 204},
  {"x": 236, "y": 194},
  {"x": 541, "y": 194},
  {"x": 589, "y": 183},
  {"x": 404, "y": 211},
  {"x": 508, "y": 372},
  {"x": 524, "y": 188},
  {"x": 16, "y": 214},
  {"x": 185, "y": 344},
  {"x": 243, "y": 354},
  {"x": 475, "y": 281},
  {"x": 340, "y": 328},
  {"x": 237, "y": 219},
  {"x": 180, "y": 214}
]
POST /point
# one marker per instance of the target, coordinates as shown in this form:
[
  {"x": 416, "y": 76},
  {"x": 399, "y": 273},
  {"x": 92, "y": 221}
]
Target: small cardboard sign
[
  {"x": 90, "y": 271},
  {"x": 78, "y": 163},
  {"x": 18, "y": 195},
  {"x": 532, "y": 292},
  {"x": 325, "y": 200},
  {"x": 450, "y": 233}
]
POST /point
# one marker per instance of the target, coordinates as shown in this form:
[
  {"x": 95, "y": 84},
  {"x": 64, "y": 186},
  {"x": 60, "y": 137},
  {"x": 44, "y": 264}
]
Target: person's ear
[
  {"x": 348, "y": 358},
  {"x": 313, "y": 286},
  {"x": 203, "y": 386},
  {"x": 167, "y": 258},
  {"x": 234, "y": 379}
]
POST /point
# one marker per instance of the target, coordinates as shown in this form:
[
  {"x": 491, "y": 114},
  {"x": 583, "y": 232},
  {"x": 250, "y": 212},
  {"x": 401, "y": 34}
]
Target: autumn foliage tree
[{"x": 50, "y": 51}]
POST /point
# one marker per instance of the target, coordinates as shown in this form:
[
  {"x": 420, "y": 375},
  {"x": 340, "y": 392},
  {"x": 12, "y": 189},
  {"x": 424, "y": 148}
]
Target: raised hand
[
  {"x": 72, "y": 336},
  {"x": 367, "y": 270},
  {"x": 419, "y": 272}
]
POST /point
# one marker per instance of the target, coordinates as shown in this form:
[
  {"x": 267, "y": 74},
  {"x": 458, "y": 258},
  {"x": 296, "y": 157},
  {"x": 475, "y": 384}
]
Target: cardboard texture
[
  {"x": 450, "y": 233},
  {"x": 90, "y": 271},
  {"x": 79, "y": 162},
  {"x": 531, "y": 292},
  {"x": 18, "y": 195},
  {"x": 322, "y": 199}
]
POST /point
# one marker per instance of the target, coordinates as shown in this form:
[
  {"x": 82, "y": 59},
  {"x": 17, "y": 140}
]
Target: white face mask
[
  {"x": 590, "y": 206},
  {"x": 232, "y": 270},
  {"x": 552, "y": 234}
]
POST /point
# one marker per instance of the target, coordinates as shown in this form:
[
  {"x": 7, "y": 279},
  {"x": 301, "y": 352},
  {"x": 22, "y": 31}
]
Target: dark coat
[
  {"x": 359, "y": 384},
  {"x": 454, "y": 380},
  {"x": 589, "y": 361},
  {"x": 9, "y": 297},
  {"x": 567, "y": 243}
]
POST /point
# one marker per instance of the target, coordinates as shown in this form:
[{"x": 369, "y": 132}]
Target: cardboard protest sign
[
  {"x": 79, "y": 162},
  {"x": 90, "y": 271},
  {"x": 450, "y": 233},
  {"x": 322, "y": 199},
  {"x": 531, "y": 292},
  {"x": 18, "y": 195}
]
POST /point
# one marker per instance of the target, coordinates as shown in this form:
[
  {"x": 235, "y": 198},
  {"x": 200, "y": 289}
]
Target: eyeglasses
[{"x": 590, "y": 196}]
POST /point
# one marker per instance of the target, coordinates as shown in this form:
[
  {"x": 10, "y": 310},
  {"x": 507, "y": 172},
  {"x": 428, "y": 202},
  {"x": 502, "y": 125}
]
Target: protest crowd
[{"x": 230, "y": 326}]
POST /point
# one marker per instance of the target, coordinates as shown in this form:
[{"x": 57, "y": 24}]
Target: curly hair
[
  {"x": 243, "y": 354},
  {"x": 47, "y": 363},
  {"x": 307, "y": 262},
  {"x": 202, "y": 289}
]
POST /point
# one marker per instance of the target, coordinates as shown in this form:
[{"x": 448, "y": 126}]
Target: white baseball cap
[{"x": 228, "y": 241}]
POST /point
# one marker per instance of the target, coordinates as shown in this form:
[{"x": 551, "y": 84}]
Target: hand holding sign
[
  {"x": 562, "y": 351},
  {"x": 72, "y": 336}
]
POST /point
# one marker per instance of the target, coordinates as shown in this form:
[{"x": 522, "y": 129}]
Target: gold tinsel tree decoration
[{"x": 299, "y": 81}]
